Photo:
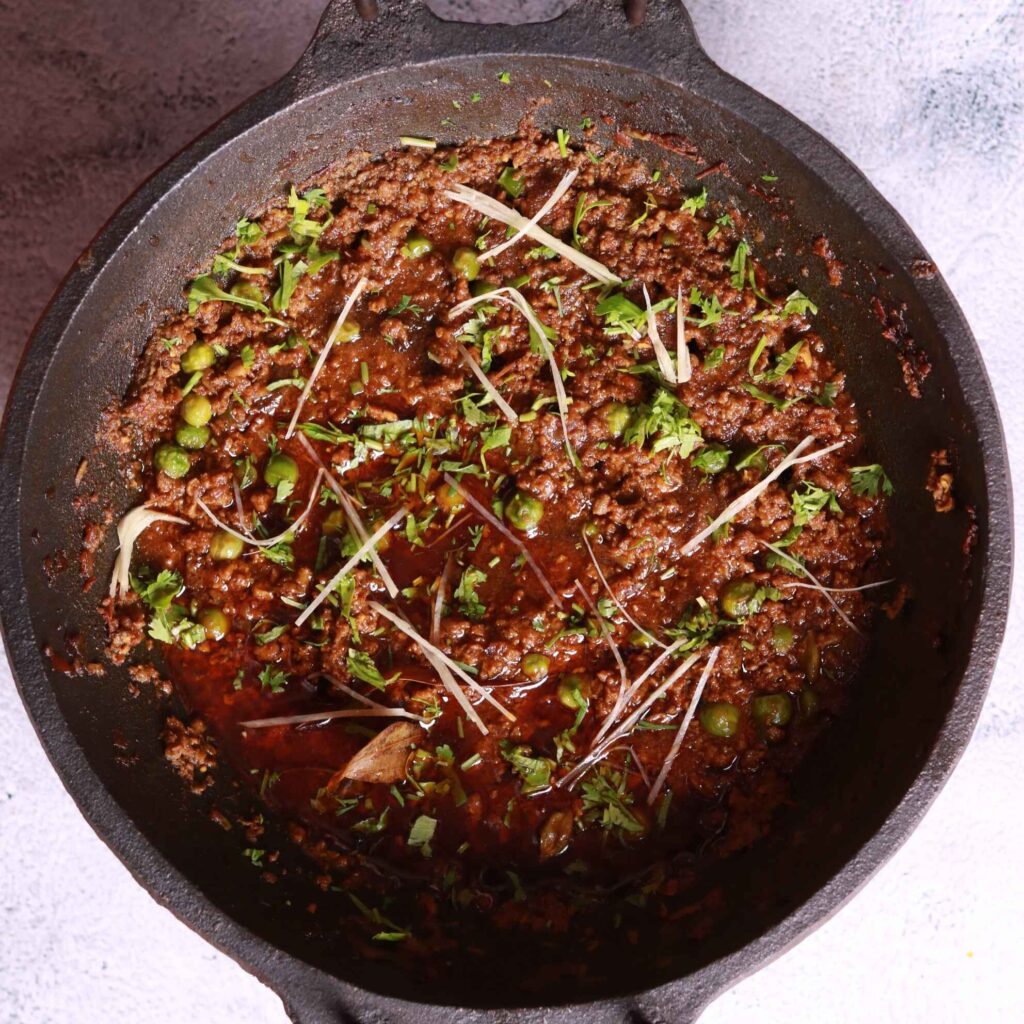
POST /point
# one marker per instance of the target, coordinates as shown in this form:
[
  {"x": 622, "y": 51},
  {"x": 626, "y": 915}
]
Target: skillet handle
[
  {"x": 678, "y": 1003},
  {"x": 499, "y": 12},
  {"x": 356, "y": 38}
]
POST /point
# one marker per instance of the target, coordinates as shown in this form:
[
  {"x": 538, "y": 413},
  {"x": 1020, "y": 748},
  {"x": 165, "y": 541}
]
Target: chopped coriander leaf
[
  {"x": 725, "y": 221},
  {"x": 695, "y": 203},
  {"x": 191, "y": 383},
  {"x": 289, "y": 275},
  {"x": 247, "y": 232},
  {"x": 450, "y": 164},
  {"x": 712, "y": 459},
  {"x": 405, "y": 304},
  {"x": 697, "y": 628},
  {"x": 170, "y": 623},
  {"x": 759, "y": 348},
  {"x": 281, "y": 552},
  {"x": 361, "y": 666},
  {"x": 667, "y": 422},
  {"x": 738, "y": 265},
  {"x": 710, "y": 308},
  {"x": 714, "y": 358},
  {"x": 756, "y": 459},
  {"x": 809, "y": 500},
  {"x": 287, "y": 382},
  {"x": 783, "y": 364},
  {"x": 606, "y": 801},
  {"x": 541, "y": 252},
  {"x": 504, "y": 77},
  {"x": 510, "y": 183},
  {"x": 272, "y": 679},
  {"x": 649, "y": 204},
  {"x": 465, "y": 593},
  {"x": 205, "y": 289},
  {"x": 421, "y": 833},
  {"x": 271, "y": 634},
  {"x": 496, "y": 437},
  {"x": 797, "y": 304},
  {"x": 773, "y": 400},
  {"x": 868, "y": 481},
  {"x": 623, "y": 316},
  {"x": 327, "y": 432},
  {"x": 582, "y": 209},
  {"x": 827, "y": 395},
  {"x": 534, "y": 771}
]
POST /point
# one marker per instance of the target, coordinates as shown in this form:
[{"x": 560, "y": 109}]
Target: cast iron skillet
[{"x": 361, "y": 84}]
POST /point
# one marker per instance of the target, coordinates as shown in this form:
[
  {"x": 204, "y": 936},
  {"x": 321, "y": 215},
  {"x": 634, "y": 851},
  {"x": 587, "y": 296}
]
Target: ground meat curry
[{"x": 549, "y": 561}]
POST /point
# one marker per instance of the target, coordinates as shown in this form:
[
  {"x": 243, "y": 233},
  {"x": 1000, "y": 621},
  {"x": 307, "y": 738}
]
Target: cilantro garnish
[
  {"x": 465, "y": 593},
  {"x": 273, "y": 679},
  {"x": 361, "y": 666},
  {"x": 809, "y": 500},
  {"x": 868, "y": 481},
  {"x": 666, "y": 422}
]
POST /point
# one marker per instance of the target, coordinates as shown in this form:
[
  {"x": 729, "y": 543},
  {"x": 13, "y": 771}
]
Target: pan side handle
[
  {"x": 674, "y": 1004},
  {"x": 358, "y": 37}
]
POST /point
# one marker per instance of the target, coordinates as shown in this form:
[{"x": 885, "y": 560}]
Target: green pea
[
  {"x": 642, "y": 640},
  {"x": 524, "y": 511},
  {"x": 466, "y": 264},
  {"x": 416, "y": 245},
  {"x": 773, "y": 709},
  {"x": 518, "y": 282},
  {"x": 198, "y": 357},
  {"x": 573, "y": 690},
  {"x": 335, "y": 521},
  {"x": 348, "y": 332},
  {"x": 535, "y": 666},
  {"x": 280, "y": 468},
  {"x": 738, "y": 599},
  {"x": 247, "y": 290},
  {"x": 782, "y": 637},
  {"x": 616, "y": 418},
  {"x": 809, "y": 703},
  {"x": 172, "y": 460},
  {"x": 226, "y": 547},
  {"x": 720, "y": 719},
  {"x": 196, "y": 410},
  {"x": 191, "y": 437},
  {"x": 481, "y": 287},
  {"x": 215, "y": 622}
]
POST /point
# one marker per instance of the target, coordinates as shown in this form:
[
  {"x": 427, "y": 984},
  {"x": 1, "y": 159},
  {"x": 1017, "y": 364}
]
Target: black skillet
[{"x": 360, "y": 84}]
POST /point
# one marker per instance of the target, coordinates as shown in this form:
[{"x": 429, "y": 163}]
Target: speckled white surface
[{"x": 927, "y": 97}]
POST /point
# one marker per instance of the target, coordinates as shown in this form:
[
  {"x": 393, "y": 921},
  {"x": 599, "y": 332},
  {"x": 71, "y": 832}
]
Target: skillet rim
[{"x": 285, "y": 973}]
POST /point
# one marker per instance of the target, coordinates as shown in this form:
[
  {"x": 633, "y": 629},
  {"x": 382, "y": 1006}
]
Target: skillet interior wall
[{"x": 864, "y": 763}]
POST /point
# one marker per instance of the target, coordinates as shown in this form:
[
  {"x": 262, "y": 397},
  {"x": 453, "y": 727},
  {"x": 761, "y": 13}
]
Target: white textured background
[{"x": 927, "y": 97}]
